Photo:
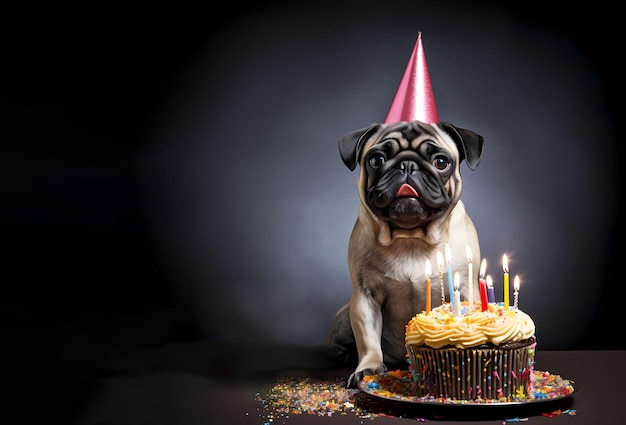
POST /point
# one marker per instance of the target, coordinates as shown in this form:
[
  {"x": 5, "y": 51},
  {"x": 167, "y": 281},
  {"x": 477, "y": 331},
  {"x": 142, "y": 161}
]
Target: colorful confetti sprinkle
[
  {"x": 399, "y": 385},
  {"x": 306, "y": 396}
]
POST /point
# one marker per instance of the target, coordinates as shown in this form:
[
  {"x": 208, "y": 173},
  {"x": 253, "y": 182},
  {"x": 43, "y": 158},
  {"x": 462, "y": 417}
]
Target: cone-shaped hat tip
[{"x": 414, "y": 99}]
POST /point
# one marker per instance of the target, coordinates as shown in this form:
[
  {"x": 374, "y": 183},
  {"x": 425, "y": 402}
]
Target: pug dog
[{"x": 410, "y": 189}]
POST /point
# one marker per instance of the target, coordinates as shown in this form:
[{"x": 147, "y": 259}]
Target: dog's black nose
[{"x": 408, "y": 167}]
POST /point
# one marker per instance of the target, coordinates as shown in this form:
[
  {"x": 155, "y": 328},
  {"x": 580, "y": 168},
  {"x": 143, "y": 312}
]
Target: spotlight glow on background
[{"x": 252, "y": 207}]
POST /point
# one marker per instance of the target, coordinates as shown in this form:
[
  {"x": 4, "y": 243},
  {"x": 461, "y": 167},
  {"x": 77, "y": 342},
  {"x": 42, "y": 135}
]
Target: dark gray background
[{"x": 164, "y": 157}]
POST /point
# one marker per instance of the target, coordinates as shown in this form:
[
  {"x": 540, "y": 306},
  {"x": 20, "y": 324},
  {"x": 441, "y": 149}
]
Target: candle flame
[
  {"x": 457, "y": 281},
  {"x": 448, "y": 255},
  {"x": 516, "y": 283},
  {"x": 483, "y": 267},
  {"x": 505, "y": 264},
  {"x": 489, "y": 281},
  {"x": 468, "y": 251},
  {"x": 427, "y": 269},
  {"x": 440, "y": 260}
]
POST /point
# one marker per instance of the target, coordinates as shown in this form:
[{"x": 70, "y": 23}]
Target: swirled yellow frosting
[{"x": 441, "y": 327}]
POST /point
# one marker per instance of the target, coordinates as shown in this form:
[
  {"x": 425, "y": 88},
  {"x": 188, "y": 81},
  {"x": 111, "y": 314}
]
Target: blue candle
[
  {"x": 440, "y": 266},
  {"x": 470, "y": 277},
  {"x": 491, "y": 296},
  {"x": 457, "y": 295},
  {"x": 450, "y": 281}
]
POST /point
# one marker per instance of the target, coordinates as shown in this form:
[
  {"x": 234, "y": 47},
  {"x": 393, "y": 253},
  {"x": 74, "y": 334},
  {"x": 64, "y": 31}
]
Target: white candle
[
  {"x": 470, "y": 276},
  {"x": 457, "y": 294},
  {"x": 515, "y": 291},
  {"x": 427, "y": 271}
]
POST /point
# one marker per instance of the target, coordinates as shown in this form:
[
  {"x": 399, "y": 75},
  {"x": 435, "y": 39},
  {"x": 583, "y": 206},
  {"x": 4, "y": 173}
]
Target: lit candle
[
  {"x": 491, "y": 295},
  {"x": 505, "y": 268},
  {"x": 470, "y": 276},
  {"x": 483, "y": 287},
  {"x": 457, "y": 294},
  {"x": 427, "y": 270},
  {"x": 515, "y": 291},
  {"x": 440, "y": 265},
  {"x": 450, "y": 282}
]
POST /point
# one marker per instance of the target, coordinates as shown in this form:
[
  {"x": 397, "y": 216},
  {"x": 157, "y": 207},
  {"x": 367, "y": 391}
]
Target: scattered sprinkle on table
[{"x": 306, "y": 396}]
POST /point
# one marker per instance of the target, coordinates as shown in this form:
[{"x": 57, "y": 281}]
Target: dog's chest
[{"x": 406, "y": 268}]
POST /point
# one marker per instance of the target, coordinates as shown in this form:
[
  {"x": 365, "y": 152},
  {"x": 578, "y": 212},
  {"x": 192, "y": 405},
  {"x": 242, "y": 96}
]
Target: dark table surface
[
  {"x": 133, "y": 370},
  {"x": 194, "y": 383}
]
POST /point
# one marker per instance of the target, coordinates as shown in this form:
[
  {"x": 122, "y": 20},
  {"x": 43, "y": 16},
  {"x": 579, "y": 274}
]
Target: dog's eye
[
  {"x": 441, "y": 162},
  {"x": 377, "y": 160}
]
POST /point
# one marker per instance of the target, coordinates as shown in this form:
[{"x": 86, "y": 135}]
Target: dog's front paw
[{"x": 358, "y": 375}]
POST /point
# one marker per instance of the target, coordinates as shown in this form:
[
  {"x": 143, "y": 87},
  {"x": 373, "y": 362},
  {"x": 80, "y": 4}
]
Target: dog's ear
[
  {"x": 469, "y": 143},
  {"x": 351, "y": 145}
]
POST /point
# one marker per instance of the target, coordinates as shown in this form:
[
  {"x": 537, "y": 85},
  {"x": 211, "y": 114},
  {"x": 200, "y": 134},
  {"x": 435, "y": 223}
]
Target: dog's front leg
[{"x": 367, "y": 324}]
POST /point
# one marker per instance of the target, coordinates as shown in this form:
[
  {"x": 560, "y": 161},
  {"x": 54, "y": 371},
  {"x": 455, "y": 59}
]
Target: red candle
[{"x": 483, "y": 286}]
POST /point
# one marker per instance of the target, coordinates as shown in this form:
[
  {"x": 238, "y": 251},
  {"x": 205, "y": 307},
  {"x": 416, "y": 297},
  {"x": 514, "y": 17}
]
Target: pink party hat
[{"x": 414, "y": 99}]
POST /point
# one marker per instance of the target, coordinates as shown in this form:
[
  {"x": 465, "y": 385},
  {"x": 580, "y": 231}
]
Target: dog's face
[{"x": 410, "y": 174}]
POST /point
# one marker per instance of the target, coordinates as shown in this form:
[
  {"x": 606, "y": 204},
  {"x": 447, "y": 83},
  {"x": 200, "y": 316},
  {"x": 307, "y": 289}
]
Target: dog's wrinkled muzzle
[
  {"x": 409, "y": 212},
  {"x": 408, "y": 196}
]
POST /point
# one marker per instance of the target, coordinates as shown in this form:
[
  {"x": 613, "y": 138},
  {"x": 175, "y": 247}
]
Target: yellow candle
[
  {"x": 427, "y": 271},
  {"x": 470, "y": 276},
  {"x": 505, "y": 268}
]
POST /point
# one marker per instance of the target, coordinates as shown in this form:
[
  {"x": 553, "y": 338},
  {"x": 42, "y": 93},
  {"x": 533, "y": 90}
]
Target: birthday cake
[{"x": 481, "y": 354}]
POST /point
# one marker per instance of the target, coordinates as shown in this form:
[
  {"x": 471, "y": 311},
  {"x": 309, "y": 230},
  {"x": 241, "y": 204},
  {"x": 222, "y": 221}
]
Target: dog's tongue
[{"x": 407, "y": 190}]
